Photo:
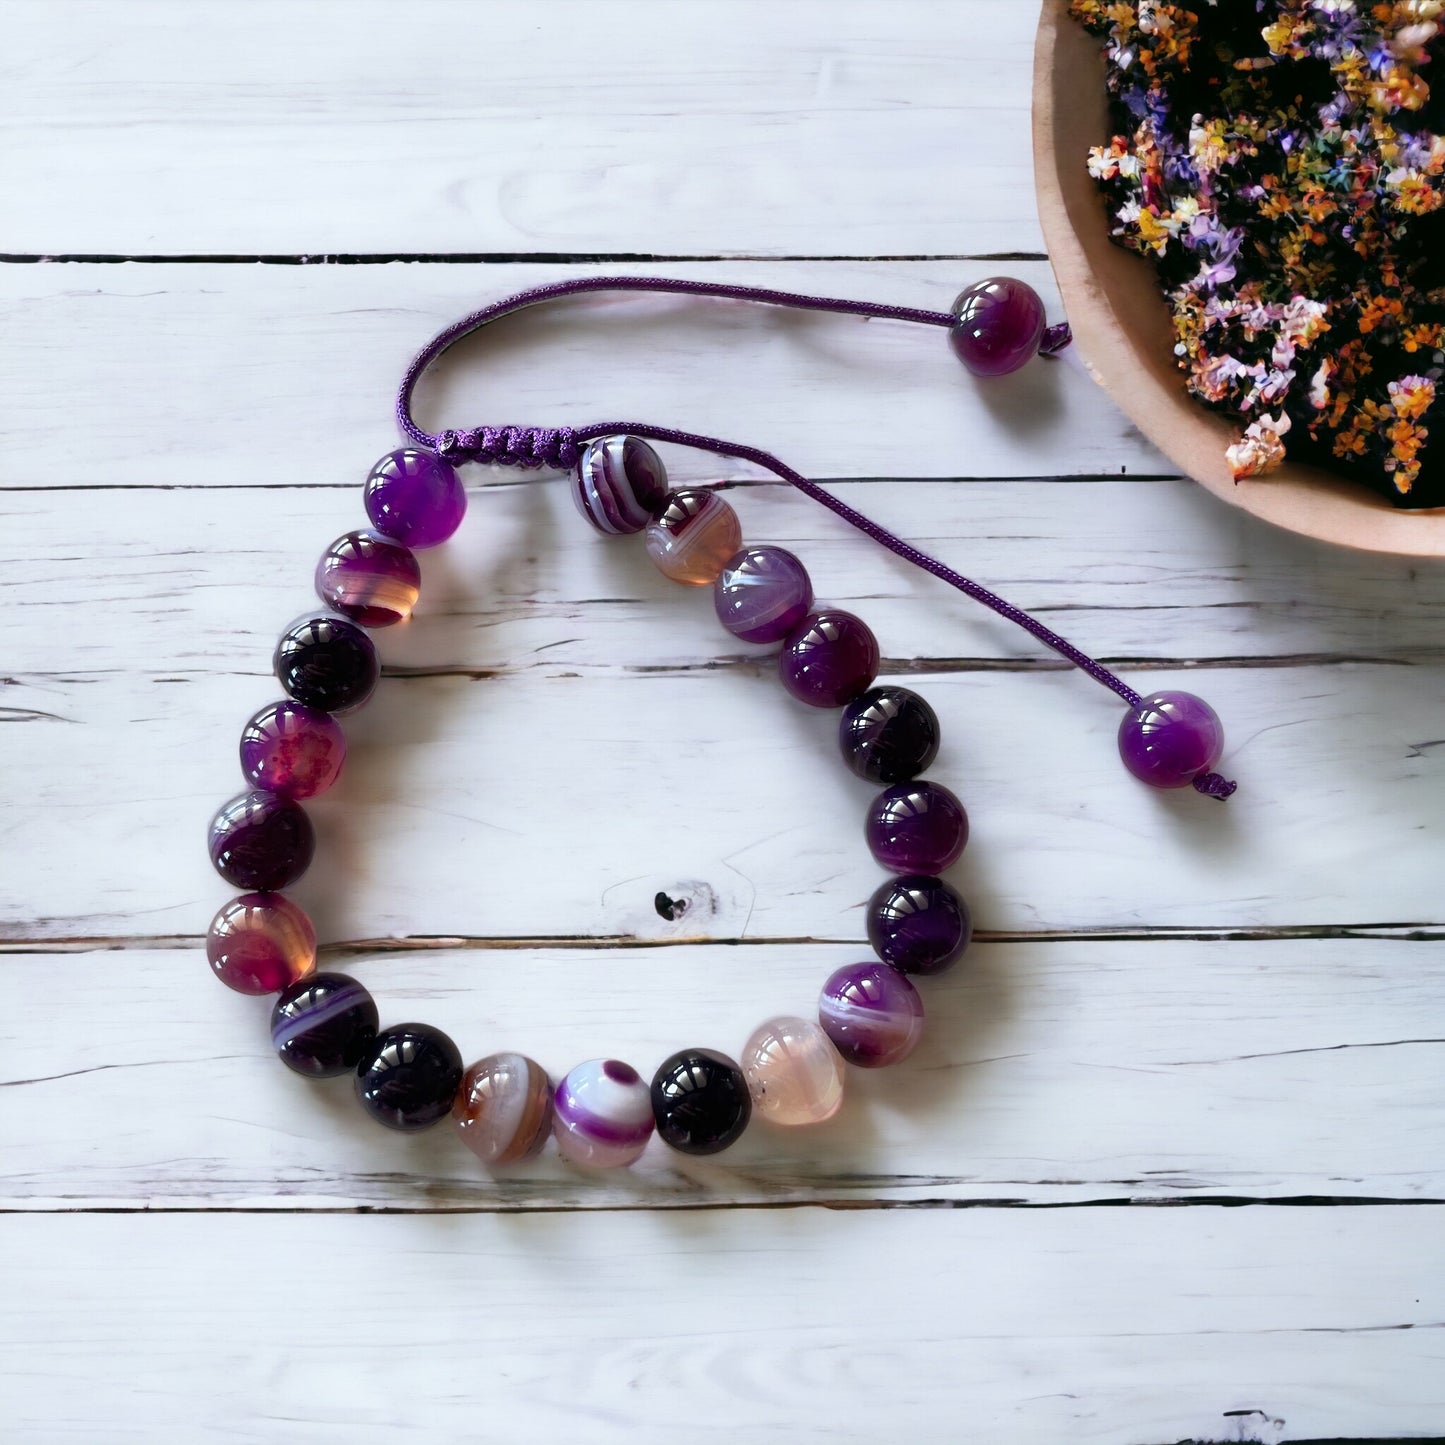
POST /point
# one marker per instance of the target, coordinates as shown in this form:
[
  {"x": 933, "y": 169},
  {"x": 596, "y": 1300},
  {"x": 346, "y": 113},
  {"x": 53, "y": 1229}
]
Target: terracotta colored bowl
[{"x": 1123, "y": 330}]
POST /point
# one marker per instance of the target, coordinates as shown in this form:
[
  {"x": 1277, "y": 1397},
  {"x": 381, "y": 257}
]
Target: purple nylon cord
[{"x": 559, "y": 447}]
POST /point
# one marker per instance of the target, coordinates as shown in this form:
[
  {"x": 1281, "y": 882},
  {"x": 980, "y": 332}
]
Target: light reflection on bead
[
  {"x": 872, "y": 1014},
  {"x": 829, "y": 659},
  {"x": 1170, "y": 739},
  {"x": 794, "y": 1073},
  {"x": 415, "y": 497},
  {"x": 261, "y": 943},
  {"x": 701, "y": 1102},
  {"x": 919, "y": 924},
  {"x": 888, "y": 735},
  {"x": 261, "y": 841},
  {"x": 693, "y": 537},
  {"x": 503, "y": 1110},
  {"x": 323, "y": 1025},
  {"x": 369, "y": 578},
  {"x": 408, "y": 1077},
  {"x": 292, "y": 749},
  {"x": 762, "y": 594},
  {"x": 602, "y": 1115},
  {"x": 1000, "y": 322},
  {"x": 917, "y": 827}
]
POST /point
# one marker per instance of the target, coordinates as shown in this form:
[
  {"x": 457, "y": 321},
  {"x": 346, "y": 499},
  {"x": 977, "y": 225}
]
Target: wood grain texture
[
  {"x": 1175, "y": 1003},
  {"x": 938, "y": 1327},
  {"x": 512, "y": 126},
  {"x": 1051, "y": 1072}
]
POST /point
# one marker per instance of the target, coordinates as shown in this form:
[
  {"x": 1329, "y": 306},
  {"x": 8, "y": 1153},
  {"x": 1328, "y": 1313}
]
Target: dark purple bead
[
  {"x": 292, "y": 749},
  {"x": 327, "y": 663},
  {"x": 1170, "y": 739},
  {"x": 762, "y": 594},
  {"x": 370, "y": 578},
  {"x": 322, "y": 1025},
  {"x": 999, "y": 327},
  {"x": 261, "y": 842},
  {"x": 619, "y": 484},
  {"x": 829, "y": 659},
  {"x": 917, "y": 827},
  {"x": 701, "y": 1102},
  {"x": 415, "y": 497},
  {"x": 408, "y": 1076},
  {"x": 888, "y": 735},
  {"x": 919, "y": 924}
]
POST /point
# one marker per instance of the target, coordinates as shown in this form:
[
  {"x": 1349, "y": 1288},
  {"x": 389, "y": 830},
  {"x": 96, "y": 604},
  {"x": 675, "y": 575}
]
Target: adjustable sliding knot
[{"x": 512, "y": 446}]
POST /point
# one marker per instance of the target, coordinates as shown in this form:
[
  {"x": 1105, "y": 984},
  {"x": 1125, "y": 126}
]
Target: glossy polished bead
[
  {"x": 369, "y": 578},
  {"x": 292, "y": 749},
  {"x": 1000, "y": 324},
  {"x": 888, "y": 735},
  {"x": 1170, "y": 738},
  {"x": 323, "y": 1025},
  {"x": 701, "y": 1102},
  {"x": 619, "y": 484},
  {"x": 762, "y": 594},
  {"x": 693, "y": 537},
  {"x": 602, "y": 1114},
  {"x": 917, "y": 827},
  {"x": 872, "y": 1014},
  {"x": 261, "y": 841},
  {"x": 408, "y": 1076},
  {"x": 261, "y": 943},
  {"x": 918, "y": 924},
  {"x": 503, "y": 1110},
  {"x": 327, "y": 662},
  {"x": 415, "y": 498},
  {"x": 794, "y": 1073},
  {"x": 829, "y": 659}
]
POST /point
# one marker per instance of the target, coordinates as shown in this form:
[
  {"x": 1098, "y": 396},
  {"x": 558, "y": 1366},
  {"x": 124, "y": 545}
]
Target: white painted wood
[
  {"x": 203, "y": 375},
  {"x": 832, "y": 127},
  {"x": 1060, "y": 1072},
  {"x": 1105, "y": 1327}
]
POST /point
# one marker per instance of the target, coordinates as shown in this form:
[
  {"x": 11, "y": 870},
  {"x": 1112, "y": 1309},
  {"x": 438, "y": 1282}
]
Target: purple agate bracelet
[{"x": 410, "y": 1076}]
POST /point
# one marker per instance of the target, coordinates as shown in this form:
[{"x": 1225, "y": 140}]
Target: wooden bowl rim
[{"x": 1143, "y": 380}]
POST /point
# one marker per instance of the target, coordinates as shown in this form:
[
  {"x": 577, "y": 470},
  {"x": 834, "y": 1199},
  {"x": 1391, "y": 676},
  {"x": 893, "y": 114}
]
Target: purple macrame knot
[
  {"x": 512, "y": 446},
  {"x": 1213, "y": 786}
]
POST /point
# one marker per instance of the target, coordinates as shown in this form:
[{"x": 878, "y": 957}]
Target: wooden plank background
[{"x": 1235, "y": 1012}]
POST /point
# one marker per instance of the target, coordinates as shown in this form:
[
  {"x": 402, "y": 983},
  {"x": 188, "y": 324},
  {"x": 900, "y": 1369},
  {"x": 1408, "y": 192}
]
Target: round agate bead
[
  {"x": 323, "y": 1025},
  {"x": 762, "y": 594},
  {"x": 829, "y": 659},
  {"x": 503, "y": 1110},
  {"x": 701, "y": 1102},
  {"x": 917, "y": 827},
  {"x": 888, "y": 735},
  {"x": 694, "y": 535},
  {"x": 261, "y": 841},
  {"x": 999, "y": 324},
  {"x": 602, "y": 1114},
  {"x": 1170, "y": 739},
  {"x": 794, "y": 1073},
  {"x": 619, "y": 484},
  {"x": 872, "y": 1014},
  {"x": 327, "y": 663},
  {"x": 292, "y": 749},
  {"x": 407, "y": 1077},
  {"x": 415, "y": 498},
  {"x": 918, "y": 924},
  {"x": 369, "y": 578},
  {"x": 261, "y": 943}
]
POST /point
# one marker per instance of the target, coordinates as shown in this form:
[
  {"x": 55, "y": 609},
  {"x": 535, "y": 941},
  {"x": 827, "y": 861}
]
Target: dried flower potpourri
[{"x": 1282, "y": 162}]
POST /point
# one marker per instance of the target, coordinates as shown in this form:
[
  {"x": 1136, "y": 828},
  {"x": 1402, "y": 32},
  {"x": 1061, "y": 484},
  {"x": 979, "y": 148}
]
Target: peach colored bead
[
  {"x": 794, "y": 1073},
  {"x": 694, "y": 538},
  {"x": 261, "y": 943},
  {"x": 503, "y": 1110}
]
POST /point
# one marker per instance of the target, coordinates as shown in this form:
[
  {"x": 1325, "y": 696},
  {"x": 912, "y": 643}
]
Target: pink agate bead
[
  {"x": 693, "y": 537},
  {"x": 793, "y": 1071},
  {"x": 261, "y": 943},
  {"x": 293, "y": 750},
  {"x": 602, "y": 1114}
]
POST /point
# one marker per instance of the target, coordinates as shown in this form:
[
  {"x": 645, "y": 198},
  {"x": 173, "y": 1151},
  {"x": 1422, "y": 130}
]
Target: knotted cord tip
[
  {"x": 1055, "y": 339},
  {"x": 1214, "y": 786}
]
